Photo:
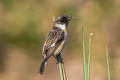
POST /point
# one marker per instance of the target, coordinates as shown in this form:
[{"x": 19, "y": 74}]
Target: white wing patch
[{"x": 52, "y": 45}]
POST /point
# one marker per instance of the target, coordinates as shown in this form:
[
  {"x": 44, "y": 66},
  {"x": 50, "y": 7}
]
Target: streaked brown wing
[{"x": 54, "y": 39}]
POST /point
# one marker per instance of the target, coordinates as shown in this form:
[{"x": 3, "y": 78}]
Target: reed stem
[
  {"x": 61, "y": 67},
  {"x": 84, "y": 58},
  {"x": 89, "y": 54},
  {"x": 107, "y": 61}
]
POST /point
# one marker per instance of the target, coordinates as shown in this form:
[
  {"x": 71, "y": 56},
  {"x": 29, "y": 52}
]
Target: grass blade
[
  {"x": 61, "y": 67},
  {"x": 84, "y": 59},
  {"x": 61, "y": 71},
  {"x": 65, "y": 72},
  {"x": 107, "y": 60},
  {"x": 89, "y": 54}
]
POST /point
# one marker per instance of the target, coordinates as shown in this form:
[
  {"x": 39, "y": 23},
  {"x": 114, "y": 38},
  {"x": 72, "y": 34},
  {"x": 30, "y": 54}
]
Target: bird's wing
[{"x": 53, "y": 41}]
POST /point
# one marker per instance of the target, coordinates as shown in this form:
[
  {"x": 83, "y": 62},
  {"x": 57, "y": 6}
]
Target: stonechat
[{"x": 55, "y": 40}]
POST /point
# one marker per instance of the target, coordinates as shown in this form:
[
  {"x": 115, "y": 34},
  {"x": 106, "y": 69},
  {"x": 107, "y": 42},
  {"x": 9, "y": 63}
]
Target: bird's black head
[{"x": 63, "y": 19}]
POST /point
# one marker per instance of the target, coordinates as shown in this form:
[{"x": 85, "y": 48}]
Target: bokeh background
[{"x": 24, "y": 25}]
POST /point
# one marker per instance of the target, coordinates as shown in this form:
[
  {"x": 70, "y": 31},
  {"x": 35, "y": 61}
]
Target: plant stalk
[
  {"x": 107, "y": 61},
  {"x": 84, "y": 58},
  {"x": 61, "y": 69},
  {"x": 89, "y": 54}
]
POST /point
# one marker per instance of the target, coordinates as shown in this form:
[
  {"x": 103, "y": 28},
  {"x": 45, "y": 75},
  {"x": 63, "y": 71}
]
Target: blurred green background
[{"x": 24, "y": 25}]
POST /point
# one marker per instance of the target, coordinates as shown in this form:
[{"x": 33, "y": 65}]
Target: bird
[{"x": 55, "y": 40}]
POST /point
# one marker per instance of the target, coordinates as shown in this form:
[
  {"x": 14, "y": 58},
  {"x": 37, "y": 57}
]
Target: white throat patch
[{"x": 62, "y": 26}]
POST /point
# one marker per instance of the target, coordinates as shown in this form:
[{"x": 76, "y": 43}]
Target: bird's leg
[
  {"x": 59, "y": 58},
  {"x": 55, "y": 58}
]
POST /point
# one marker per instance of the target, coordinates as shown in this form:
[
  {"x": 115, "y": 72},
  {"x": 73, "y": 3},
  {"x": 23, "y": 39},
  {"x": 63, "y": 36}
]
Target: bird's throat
[{"x": 61, "y": 26}]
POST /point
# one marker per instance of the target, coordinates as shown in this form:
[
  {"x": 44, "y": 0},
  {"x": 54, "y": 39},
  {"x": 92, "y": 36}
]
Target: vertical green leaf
[
  {"x": 84, "y": 59},
  {"x": 60, "y": 63},
  {"x": 61, "y": 71},
  {"x": 89, "y": 54},
  {"x": 107, "y": 61}
]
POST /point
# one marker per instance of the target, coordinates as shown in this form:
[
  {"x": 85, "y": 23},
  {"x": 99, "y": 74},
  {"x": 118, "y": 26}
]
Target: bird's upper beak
[{"x": 69, "y": 18}]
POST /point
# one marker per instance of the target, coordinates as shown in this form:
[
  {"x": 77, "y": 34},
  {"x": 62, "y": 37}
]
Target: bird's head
[{"x": 62, "y": 20}]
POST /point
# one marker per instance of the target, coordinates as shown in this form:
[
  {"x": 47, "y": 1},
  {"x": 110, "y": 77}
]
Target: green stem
[
  {"x": 89, "y": 54},
  {"x": 60, "y": 62},
  {"x": 61, "y": 71},
  {"x": 84, "y": 59},
  {"x": 107, "y": 60}
]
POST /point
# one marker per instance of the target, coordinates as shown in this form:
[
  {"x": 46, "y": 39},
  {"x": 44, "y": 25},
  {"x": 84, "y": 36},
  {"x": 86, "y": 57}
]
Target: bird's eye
[{"x": 58, "y": 22}]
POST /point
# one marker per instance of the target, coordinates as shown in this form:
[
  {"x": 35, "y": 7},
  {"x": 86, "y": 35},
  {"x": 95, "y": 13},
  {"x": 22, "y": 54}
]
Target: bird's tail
[{"x": 42, "y": 66}]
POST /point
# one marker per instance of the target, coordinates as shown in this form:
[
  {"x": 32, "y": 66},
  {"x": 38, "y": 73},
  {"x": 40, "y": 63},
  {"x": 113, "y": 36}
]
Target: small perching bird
[{"x": 55, "y": 40}]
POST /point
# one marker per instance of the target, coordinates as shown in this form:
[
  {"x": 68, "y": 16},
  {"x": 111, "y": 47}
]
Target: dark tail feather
[{"x": 42, "y": 66}]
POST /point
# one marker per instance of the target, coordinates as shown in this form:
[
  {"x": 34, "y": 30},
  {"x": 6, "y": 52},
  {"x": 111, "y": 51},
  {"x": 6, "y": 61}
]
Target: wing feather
[{"x": 55, "y": 37}]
